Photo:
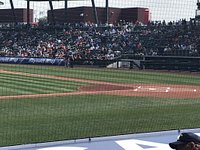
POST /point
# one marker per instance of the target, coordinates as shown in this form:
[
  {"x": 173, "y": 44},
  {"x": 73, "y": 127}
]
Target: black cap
[{"x": 185, "y": 138}]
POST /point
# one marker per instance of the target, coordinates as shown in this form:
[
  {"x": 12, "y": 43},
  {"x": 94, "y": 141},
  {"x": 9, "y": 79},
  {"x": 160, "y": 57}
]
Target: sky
[{"x": 168, "y": 10}]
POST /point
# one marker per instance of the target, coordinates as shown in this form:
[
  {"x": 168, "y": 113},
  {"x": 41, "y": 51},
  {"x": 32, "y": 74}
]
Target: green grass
[
  {"x": 111, "y": 75},
  {"x": 57, "y": 118},
  {"x": 72, "y": 117},
  {"x": 20, "y": 84}
]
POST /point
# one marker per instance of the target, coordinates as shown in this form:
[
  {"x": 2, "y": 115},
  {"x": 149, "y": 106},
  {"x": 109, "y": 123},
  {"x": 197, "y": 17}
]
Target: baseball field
[{"x": 51, "y": 103}]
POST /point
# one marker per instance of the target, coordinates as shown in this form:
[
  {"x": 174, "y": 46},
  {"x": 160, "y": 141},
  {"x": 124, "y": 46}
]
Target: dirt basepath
[{"x": 98, "y": 87}]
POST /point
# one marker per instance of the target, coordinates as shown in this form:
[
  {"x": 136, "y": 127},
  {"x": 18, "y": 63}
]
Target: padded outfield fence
[
  {"x": 173, "y": 63},
  {"x": 42, "y": 99}
]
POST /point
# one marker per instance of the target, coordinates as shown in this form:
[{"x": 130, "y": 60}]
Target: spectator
[
  {"x": 88, "y": 41},
  {"x": 186, "y": 141}
]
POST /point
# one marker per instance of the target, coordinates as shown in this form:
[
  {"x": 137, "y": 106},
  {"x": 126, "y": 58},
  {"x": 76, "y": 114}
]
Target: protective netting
[{"x": 57, "y": 83}]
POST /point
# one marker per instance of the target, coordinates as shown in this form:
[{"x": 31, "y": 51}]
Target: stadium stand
[
  {"x": 123, "y": 41},
  {"x": 88, "y": 41}
]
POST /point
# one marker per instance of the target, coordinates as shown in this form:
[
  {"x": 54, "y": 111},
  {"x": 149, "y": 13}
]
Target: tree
[{"x": 42, "y": 21}]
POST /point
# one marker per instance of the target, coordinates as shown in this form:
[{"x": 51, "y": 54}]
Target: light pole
[{"x": 95, "y": 12}]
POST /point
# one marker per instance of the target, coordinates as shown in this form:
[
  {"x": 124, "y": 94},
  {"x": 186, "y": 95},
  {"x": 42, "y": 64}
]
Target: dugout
[{"x": 171, "y": 63}]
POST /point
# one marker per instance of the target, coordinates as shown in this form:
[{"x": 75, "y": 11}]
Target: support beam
[
  {"x": 66, "y": 12},
  {"x": 52, "y": 13},
  {"x": 107, "y": 12},
  {"x": 28, "y": 13},
  {"x": 13, "y": 12},
  {"x": 95, "y": 12}
]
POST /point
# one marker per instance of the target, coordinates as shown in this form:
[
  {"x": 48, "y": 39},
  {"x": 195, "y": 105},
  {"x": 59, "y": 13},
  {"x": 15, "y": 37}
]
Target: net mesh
[
  {"x": 162, "y": 10},
  {"x": 43, "y": 98}
]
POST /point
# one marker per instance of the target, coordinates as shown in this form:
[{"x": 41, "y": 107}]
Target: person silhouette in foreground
[{"x": 186, "y": 141}]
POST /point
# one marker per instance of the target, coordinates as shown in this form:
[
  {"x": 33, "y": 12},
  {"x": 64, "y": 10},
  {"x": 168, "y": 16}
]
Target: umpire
[{"x": 69, "y": 59}]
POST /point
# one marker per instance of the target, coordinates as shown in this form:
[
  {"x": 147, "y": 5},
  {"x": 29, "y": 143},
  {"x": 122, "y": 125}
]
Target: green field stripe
[
  {"x": 29, "y": 89},
  {"x": 33, "y": 88},
  {"x": 27, "y": 83},
  {"x": 111, "y": 75},
  {"x": 12, "y": 91},
  {"x": 7, "y": 91},
  {"x": 48, "y": 81}
]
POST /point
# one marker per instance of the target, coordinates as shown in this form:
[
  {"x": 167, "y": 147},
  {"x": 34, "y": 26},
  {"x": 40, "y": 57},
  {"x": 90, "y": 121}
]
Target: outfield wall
[
  {"x": 181, "y": 63},
  {"x": 54, "y": 61},
  {"x": 145, "y": 62},
  {"x": 171, "y": 63}
]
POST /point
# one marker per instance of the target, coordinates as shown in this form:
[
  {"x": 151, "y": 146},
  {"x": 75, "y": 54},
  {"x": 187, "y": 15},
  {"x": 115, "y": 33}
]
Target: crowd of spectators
[{"x": 105, "y": 42}]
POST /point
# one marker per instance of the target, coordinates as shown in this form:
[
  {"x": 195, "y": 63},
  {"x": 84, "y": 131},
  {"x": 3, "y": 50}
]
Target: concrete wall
[
  {"x": 143, "y": 141},
  {"x": 6, "y": 15},
  {"x": 85, "y": 14}
]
